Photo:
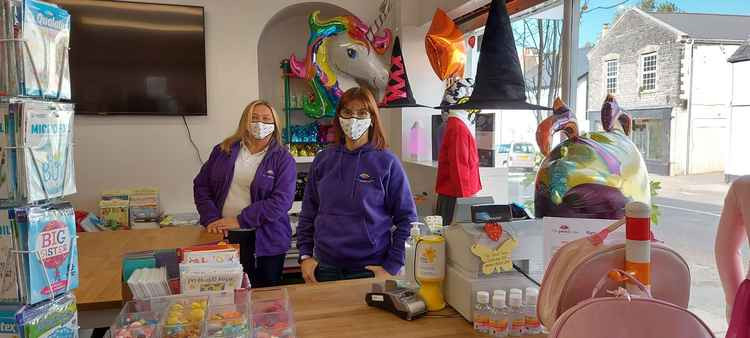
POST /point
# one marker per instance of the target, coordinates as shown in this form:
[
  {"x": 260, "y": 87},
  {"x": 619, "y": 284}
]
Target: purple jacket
[
  {"x": 271, "y": 193},
  {"x": 352, "y": 201}
]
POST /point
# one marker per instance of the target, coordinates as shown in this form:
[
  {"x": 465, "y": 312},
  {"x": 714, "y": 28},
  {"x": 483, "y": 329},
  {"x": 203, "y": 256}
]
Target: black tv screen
[{"x": 131, "y": 58}]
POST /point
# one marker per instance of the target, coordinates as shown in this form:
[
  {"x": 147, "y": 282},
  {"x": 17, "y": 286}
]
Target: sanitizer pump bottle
[{"x": 409, "y": 279}]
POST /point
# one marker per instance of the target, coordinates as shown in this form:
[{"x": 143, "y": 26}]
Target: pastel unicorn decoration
[
  {"x": 341, "y": 52},
  {"x": 592, "y": 175}
]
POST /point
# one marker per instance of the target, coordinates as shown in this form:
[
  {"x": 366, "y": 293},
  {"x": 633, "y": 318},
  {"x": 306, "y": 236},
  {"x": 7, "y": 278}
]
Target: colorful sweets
[
  {"x": 185, "y": 320},
  {"x": 228, "y": 324}
]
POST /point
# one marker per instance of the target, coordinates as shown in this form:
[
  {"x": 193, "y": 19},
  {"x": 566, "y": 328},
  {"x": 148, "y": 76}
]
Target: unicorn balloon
[
  {"x": 342, "y": 52},
  {"x": 592, "y": 175}
]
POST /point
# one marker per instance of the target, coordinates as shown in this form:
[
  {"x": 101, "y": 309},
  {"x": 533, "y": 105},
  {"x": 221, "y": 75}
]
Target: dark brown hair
[{"x": 375, "y": 134}]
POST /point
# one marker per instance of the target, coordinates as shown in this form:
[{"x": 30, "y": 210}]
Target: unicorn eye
[{"x": 351, "y": 53}]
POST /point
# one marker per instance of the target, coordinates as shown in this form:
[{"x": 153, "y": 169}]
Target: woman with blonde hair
[
  {"x": 248, "y": 184},
  {"x": 356, "y": 192}
]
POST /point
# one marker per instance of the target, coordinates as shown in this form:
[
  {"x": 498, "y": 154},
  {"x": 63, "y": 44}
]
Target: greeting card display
[
  {"x": 37, "y": 157},
  {"x": 48, "y": 153},
  {"x": 50, "y": 264},
  {"x": 53, "y": 319}
]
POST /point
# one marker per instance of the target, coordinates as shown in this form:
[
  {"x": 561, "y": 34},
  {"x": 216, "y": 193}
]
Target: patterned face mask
[
  {"x": 354, "y": 128},
  {"x": 260, "y": 130}
]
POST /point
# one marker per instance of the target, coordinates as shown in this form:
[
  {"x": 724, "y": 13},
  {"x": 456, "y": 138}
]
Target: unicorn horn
[{"x": 385, "y": 9}]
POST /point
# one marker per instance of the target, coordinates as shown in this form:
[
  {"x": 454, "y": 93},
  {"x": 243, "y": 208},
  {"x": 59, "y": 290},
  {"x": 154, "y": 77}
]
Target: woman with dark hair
[
  {"x": 356, "y": 192},
  {"x": 246, "y": 189}
]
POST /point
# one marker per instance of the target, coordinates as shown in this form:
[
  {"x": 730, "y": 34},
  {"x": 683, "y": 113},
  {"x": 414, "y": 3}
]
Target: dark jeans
[
  {"x": 329, "y": 273},
  {"x": 263, "y": 271}
]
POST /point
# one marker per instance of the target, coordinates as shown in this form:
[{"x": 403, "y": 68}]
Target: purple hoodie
[
  {"x": 271, "y": 193},
  {"x": 352, "y": 200}
]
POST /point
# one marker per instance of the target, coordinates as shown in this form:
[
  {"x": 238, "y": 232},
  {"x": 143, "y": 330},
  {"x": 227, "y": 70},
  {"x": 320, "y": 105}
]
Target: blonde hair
[
  {"x": 242, "y": 133},
  {"x": 375, "y": 133}
]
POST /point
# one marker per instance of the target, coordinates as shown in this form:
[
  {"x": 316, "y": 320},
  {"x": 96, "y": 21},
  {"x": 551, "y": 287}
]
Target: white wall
[
  {"x": 738, "y": 163},
  {"x": 711, "y": 95},
  {"x": 121, "y": 152}
]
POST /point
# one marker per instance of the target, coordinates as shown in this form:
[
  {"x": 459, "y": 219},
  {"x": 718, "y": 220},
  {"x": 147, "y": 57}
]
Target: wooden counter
[
  {"x": 338, "y": 309},
  {"x": 100, "y": 257}
]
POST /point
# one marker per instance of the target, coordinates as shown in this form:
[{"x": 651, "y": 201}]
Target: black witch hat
[
  {"x": 499, "y": 82},
  {"x": 398, "y": 92}
]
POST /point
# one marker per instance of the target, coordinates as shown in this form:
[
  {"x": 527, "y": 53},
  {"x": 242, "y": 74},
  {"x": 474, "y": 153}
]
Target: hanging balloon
[
  {"x": 445, "y": 47},
  {"x": 472, "y": 41}
]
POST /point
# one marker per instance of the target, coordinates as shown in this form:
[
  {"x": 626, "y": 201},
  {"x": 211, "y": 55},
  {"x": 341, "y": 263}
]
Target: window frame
[
  {"x": 607, "y": 77},
  {"x": 642, "y": 71}
]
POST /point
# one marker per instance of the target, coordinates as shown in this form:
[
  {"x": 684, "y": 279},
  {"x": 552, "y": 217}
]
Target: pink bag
[
  {"x": 626, "y": 316},
  {"x": 578, "y": 265}
]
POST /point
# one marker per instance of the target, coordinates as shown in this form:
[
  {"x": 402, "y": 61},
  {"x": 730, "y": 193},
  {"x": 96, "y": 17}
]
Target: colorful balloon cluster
[{"x": 592, "y": 175}]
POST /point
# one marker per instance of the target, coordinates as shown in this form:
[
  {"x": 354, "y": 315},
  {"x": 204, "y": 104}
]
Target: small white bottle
[
  {"x": 500, "y": 317},
  {"x": 482, "y": 312},
  {"x": 533, "y": 326},
  {"x": 517, "y": 316},
  {"x": 409, "y": 278}
]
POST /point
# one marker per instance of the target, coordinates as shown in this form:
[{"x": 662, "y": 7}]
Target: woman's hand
[
  {"x": 229, "y": 223},
  {"x": 308, "y": 266},
  {"x": 379, "y": 272},
  {"x": 214, "y": 227}
]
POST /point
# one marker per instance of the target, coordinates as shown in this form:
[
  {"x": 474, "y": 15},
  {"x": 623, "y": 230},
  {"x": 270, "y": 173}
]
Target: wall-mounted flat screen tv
[{"x": 132, "y": 58}]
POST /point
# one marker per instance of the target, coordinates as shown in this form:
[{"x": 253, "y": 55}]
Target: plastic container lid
[
  {"x": 498, "y": 300},
  {"x": 518, "y": 291},
  {"x": 515, "y": 299},
  {"x": 483, "y": 297},
  {"x": 498, "y": 293}
]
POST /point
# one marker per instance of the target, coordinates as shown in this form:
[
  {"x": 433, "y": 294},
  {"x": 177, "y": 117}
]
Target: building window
[
  {"x": 611, "y": 76},
  {"x": 648, "y": 78}
]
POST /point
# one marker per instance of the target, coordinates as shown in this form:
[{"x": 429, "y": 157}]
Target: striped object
[{"x": 638, "y": 243}]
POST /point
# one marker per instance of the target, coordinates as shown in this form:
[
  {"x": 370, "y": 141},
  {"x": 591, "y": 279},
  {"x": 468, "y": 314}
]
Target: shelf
[{"x": 304, "y": 159}]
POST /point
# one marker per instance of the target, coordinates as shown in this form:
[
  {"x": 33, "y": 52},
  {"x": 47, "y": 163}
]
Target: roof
[
  {"x": 708, "y": 26},
  {"x": 741, "y": 54}
]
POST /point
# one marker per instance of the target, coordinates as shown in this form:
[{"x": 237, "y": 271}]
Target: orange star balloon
[{"x": 445, "y": 47}]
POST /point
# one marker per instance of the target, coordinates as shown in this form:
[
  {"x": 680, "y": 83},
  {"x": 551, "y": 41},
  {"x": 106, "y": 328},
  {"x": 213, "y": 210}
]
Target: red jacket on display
[{"x": 458, "y": 161}]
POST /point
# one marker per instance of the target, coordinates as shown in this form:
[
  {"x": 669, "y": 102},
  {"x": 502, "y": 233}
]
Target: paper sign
[
  {"x": 559, "y": 231},
  {"x": 497, "y": 260}
]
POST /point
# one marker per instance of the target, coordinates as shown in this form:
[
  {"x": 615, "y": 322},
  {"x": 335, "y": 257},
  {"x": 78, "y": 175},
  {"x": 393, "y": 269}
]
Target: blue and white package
[
  {"x": 53, "y": 319},
  {"x": 48, "y": 151},
  {"x": 8, "y": 327},
  {"x": 46, "y": 30},
  {"x": 49, "y": 231}
]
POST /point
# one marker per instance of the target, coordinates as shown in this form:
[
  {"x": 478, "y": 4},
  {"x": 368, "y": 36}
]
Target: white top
[{"x": 245, "y": 167}]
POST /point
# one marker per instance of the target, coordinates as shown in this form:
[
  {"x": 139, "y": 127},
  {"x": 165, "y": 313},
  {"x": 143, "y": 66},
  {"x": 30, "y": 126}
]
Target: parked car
[{"x": 517, "y": 155}]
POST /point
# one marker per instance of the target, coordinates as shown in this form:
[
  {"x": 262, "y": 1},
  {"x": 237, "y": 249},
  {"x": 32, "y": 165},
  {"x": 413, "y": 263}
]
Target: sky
[{"x": 591, "y": 22}]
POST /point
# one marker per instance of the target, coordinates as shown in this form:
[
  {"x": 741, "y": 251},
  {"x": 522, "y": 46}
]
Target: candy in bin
[
  {"x": 272, "y": 325},
  {"x": 229, "y": 321},
  {"x": 184, "y": 318},
  {"x": 138, "y": 319}
]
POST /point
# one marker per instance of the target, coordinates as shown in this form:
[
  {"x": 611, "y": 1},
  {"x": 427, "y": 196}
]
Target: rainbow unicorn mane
[{"x": 315, "y": 67}]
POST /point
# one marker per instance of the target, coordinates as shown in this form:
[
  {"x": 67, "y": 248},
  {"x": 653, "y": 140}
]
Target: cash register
[{"x": 464, "y": 276}]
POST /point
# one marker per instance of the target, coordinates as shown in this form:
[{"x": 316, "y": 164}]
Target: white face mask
[
  {"x": 260, "y": 130},
  {"x": 354, "y": 128}
]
